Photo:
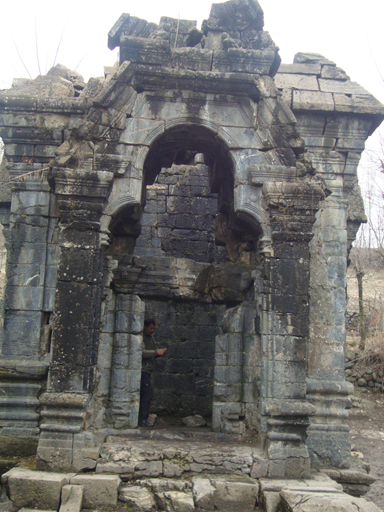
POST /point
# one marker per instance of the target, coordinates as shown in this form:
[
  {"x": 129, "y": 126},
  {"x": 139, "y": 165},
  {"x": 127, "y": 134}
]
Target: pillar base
[{"x": 328, "y": 437}]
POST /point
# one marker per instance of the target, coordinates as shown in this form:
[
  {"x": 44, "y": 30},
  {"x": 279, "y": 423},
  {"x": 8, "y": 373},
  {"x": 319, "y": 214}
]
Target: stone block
[
  {"x": 35, "y": 489},
  {"x": 24, "y": 298},
  {"x": 296, "y": 501},
  {"x": 283, "y": 379},
  {"x": 54, "y": 452},
  {"x": 152, "y": 469},
  {"x": 300, "y": 69},
  {"x": 313, "y": 100},
  {"x": 99, "y": 490},
  {"x": 28, "y": 202},
  {"x": 141, "y": 131},
  {"x": 85, "y": 458},
  {"x": 172, "y": 470},
  {"x": 71, "y": 498},
  {"x": 357, "y": 104},
  {"x": 331, "y": 446},
  {"x": 192, "y": 58},
  {"x": 232, "y": 495},
  {"x": 138, "y": 498},
  {"x": 21, "y": 333},
  {"x": 175, "y": 501},
  {"x": 203, "y": 493},
  {"x": 259, "y": 469},
  {"x": 296, "y": 81}
]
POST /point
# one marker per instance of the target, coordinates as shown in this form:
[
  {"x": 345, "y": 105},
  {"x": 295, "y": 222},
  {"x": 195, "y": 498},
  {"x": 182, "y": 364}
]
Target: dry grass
[{"x": 372, "y": 357}]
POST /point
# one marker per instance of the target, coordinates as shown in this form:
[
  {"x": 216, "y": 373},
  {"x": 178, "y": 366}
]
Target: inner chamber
[{"x": 186, "y": 227}]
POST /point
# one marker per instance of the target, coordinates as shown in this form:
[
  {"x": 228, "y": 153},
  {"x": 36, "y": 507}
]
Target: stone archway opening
[{"x": 191, "y": 260}]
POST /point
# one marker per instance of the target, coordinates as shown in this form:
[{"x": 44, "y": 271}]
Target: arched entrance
[{"x": 192, "y": 262}]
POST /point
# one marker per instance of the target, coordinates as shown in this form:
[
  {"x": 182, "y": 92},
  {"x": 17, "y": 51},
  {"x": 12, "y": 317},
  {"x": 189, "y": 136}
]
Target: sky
[
  {"x": 349, "y": 32},
  {"x": 35, "y": 35}
]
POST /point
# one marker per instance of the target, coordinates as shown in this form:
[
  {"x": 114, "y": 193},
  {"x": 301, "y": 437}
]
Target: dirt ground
[{"x": 367, "y": 438}]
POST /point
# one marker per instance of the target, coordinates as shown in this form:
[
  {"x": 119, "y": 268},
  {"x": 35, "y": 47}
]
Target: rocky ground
[{"x": 366, "y": 422}]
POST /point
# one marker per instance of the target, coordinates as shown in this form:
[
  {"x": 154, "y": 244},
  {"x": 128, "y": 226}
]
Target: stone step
[
  {"x": 177, "y": 434},
  {"x": 138, "y": 458},
  {"x": 216, "y": 492}
]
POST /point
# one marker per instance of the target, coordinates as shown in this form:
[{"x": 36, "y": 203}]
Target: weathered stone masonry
[{"x": 201, "y": 183}]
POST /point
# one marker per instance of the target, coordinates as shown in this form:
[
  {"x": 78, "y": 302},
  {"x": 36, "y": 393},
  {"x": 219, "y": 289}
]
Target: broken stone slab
[
  {"x": 312, "y": 58},
  {"x": 35, "y": 489},
  {"x": 298, "y": 501},
  {"x": 99, "y": 490},
  {"x": 354, "y": 482},
  {"x": 137, "y": 497},
  {"x": 318, "y": 483},
  {"x": 43, "y": 86},
  {"x": 175, "y": 501},
  {"x": 194, "y": 421},
  {"x": 334, "y": 73},
  {"x": 71, "y": 498},
  {"x": 224, "y": 494}
]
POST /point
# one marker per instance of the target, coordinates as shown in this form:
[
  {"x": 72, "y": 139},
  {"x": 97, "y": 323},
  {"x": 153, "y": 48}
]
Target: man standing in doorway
[{"x": 148, "y": 365}]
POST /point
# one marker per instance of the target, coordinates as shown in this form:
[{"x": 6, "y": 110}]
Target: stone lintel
[
  {"x": 216, "y": 82},
  {"x": 78, "y": 182}
]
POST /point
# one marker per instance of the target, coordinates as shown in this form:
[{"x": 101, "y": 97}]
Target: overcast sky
[{"x": 350, "y": 32}]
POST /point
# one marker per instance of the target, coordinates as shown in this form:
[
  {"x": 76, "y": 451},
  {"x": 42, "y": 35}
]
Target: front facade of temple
[{"x": 206, "y": 185}]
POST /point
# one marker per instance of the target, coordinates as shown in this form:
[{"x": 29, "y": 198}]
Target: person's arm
[{"x": 149, "y": 354}]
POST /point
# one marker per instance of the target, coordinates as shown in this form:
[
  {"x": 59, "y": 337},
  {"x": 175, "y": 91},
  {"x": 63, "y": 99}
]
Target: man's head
[{"x": 149, "y": 326}]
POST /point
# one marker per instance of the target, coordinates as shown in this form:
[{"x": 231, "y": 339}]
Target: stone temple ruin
[{"x": 206, "y": 184}]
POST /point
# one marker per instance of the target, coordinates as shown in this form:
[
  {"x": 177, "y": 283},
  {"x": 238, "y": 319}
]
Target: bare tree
[{"x": 367, "y": 255}]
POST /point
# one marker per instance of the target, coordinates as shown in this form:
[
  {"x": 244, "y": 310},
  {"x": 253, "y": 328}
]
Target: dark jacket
[{"x": 149, "y": 354}]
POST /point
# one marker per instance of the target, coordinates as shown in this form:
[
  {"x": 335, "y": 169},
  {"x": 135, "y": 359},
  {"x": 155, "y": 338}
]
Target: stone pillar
[
  {"x": 81, "y": 196},
  {"x": 328, "y": 436},
  {"x": 28, "y": 301},
  {"x": 284, "y": 329},
  {"x": 126, "y": 361},
  {"x": 236, "y": 371}
]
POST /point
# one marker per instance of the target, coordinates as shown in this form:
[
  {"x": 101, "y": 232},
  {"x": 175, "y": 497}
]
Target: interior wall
[{"x": 183, "y": 380}]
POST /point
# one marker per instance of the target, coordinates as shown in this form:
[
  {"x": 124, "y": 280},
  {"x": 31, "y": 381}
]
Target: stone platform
[
  {"x": 180, "y": 452},
  {"x": 70, "y": 492}
]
